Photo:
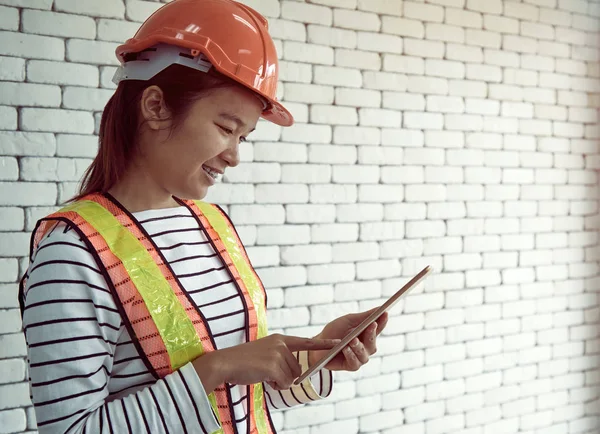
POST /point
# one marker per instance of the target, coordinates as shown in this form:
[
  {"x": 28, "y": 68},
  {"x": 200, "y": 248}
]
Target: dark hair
[{"x": 120, "y": 122}]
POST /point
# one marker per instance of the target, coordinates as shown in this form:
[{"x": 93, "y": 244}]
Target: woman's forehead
[{"x": 237, "y": 105}]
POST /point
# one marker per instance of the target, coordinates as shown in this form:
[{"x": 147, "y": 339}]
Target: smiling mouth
[{"x": 214, "y": 174}]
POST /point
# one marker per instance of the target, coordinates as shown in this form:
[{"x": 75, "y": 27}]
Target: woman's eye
[
  {"x": 227, "y": 130},
  {"x": 230, "y": 131}
]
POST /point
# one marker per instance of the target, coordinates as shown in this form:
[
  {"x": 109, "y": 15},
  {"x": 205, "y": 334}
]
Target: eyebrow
[{"x": 240, "y": 123}]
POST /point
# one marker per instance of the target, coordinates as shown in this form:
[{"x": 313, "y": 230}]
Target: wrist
[
  {"x": 210, "y": 370},
  {"x": 311, "y": 358}
]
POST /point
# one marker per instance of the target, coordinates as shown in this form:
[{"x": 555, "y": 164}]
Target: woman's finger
[
  {"x": 352, "y": 362},
  {"x": 295, "y": 343},
  {"x": 382, "y": 322},
  {"x": 283, "y": 376},
  {"x": 293, "y": 365},
  {"x": 355, "y": 355},
  {"x": 360, "y": 351},
  {"x": 369, "y": 339}
]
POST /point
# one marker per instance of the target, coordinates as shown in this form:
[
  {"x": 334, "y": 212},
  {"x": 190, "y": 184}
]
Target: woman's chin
[
  {"x": 192, "y": 192},
  {"x": 200, "y": 192}
]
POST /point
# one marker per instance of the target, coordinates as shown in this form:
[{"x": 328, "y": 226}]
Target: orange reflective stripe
[
  {"x": 223, "y": 235},
  {"x": 138, "y": 316},
  {"x": 225, "y": 255},
  {"x": 131, "y": 225}
]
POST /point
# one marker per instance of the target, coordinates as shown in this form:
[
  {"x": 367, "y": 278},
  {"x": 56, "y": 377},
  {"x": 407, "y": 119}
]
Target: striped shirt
[{"x": 86, "y": 375}]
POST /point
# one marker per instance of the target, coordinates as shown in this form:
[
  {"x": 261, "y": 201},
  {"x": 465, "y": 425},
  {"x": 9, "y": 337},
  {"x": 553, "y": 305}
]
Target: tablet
[{"x": 363, "y": 325}]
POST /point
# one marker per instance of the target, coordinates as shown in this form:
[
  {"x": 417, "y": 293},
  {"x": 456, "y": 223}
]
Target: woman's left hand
[{"x": 357, "y": 353}]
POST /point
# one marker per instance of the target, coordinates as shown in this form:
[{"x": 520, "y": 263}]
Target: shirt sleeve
[
  {"x": 72, "y": 326},
  {"x": 316, "y": 387}
]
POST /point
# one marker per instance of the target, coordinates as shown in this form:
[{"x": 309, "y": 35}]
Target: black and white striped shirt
[{"x": 86, "y": 375}]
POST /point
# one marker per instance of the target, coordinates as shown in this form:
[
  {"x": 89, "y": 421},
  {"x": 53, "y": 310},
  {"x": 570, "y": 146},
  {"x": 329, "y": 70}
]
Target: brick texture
[{"x": 457, "y": 133}]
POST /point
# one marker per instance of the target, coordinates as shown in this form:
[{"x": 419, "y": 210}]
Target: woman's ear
[{"x": 154, "y": 110}]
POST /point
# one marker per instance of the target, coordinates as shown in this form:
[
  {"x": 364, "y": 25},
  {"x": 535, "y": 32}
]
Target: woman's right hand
[{"x": 269, "y": 360}]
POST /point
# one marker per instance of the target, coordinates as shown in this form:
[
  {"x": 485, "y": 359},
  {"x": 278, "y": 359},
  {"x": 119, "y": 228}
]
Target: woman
[{"x": 141, "y": 310}]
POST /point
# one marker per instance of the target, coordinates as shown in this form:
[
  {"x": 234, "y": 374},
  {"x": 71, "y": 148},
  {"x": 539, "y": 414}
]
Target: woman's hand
[
  {"x": 269, "y": 359},
  {"x": 357, "y": 353}
]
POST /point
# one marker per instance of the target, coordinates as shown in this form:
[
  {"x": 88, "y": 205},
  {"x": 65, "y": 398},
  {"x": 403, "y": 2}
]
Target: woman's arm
[{"x": 72, "y": 326}]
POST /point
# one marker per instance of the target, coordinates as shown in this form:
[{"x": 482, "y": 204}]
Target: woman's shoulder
[
  {"x": 63, "y": 268},
  {"x": 62, "y": 254},
  {"x": 61, "y": 239}
]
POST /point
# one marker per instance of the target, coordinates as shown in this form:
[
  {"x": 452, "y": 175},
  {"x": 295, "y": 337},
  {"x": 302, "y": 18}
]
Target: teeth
[{"x": 211, "y": 172}]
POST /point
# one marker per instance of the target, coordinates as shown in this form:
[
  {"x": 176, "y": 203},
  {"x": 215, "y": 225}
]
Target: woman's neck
[{"x": 137, "y": 191}]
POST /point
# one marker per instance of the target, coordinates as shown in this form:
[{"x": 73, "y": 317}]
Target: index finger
[{"x": 295, "y": 343}]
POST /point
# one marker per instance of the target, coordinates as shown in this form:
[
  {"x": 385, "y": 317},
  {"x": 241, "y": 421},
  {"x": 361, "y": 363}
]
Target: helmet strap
[{"x": 151, "y": 61}]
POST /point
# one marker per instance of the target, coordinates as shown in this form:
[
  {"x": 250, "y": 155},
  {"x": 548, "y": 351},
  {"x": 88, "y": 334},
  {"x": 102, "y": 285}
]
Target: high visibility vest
[{"x": 166, "y": 328}]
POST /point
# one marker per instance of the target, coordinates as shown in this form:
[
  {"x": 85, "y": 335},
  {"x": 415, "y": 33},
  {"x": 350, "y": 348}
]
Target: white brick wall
[{"x": 458, "y": 133}]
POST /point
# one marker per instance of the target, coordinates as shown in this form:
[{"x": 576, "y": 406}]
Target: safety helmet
[{"x": 202, "y": 34}]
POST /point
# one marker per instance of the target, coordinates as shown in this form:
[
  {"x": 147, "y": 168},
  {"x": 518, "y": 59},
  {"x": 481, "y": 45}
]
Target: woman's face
[{"x": 186, "y": 161}]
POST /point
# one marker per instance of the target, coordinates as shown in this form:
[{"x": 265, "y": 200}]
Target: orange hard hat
[{"x": 224, "y": 34}]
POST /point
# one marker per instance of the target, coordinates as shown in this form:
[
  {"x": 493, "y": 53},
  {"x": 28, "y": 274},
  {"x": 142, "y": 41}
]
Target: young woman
[{"x": 141, "y": 310}]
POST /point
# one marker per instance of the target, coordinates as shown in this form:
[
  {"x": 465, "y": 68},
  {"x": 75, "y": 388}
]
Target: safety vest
[{"x": 166, "y": 328}]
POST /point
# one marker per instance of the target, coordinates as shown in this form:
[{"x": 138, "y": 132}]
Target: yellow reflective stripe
[
  {"x": 176, "y": 330},
  {"x": 212, "y": 398},
  {"x": 223, "y": 228},
  {"x": 260, "y": 417}
]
